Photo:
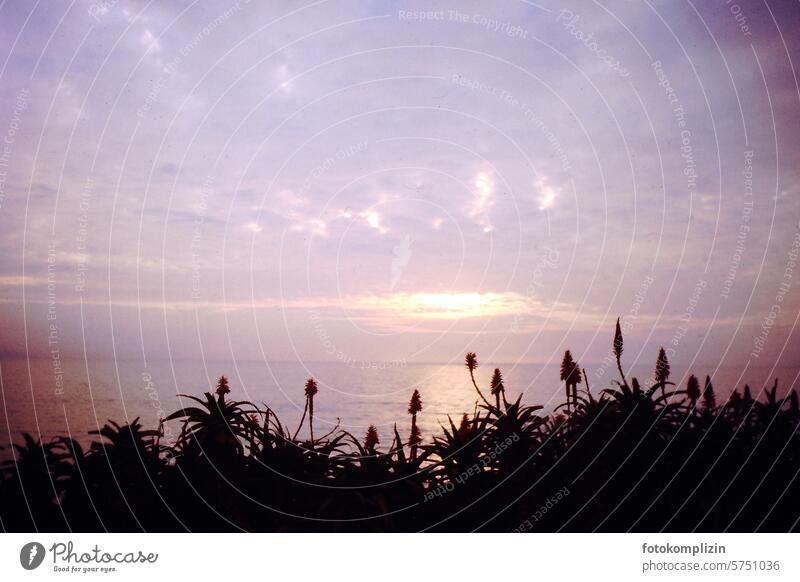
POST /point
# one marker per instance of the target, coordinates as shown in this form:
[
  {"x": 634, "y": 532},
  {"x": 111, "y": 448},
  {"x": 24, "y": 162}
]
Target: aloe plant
[
  {"x": 216, "y": 428},
  {"x": 709, "y": 397},
  {"x": 311, "y": 390},
  {"x": 693, "y": 390},
  {"x": 571, "y": 376},
  {"x": 471, "y": 362},
  {"x": 627, "y": 448},
  {"x": 414, "y": 407},
  {"x": 371, "y": 439},
  {"x": 662, "y": 370},
  {"x": 498, "y": 389},
  {"x": 617, "y": 348}
]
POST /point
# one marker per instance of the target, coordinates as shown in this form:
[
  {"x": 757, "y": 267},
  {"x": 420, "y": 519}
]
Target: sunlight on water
[{"x": 355, "y": 396}]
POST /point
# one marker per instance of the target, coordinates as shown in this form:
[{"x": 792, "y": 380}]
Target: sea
[{"x": 79, "y": 396}]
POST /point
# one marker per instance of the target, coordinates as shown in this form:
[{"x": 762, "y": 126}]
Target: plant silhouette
[
  {"x": 571, "y": 376},
  {"x": 633, "y": 458}
]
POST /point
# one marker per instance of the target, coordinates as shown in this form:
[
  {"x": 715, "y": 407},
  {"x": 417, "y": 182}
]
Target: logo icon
[{"x": 31, "y": 555}]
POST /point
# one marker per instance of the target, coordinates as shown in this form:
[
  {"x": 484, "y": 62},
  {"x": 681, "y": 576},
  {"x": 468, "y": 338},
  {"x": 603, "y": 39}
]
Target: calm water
[{"x": 34, "y": 400}]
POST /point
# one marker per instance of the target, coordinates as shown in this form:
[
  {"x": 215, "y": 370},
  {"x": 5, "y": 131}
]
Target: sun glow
[{"x": 451, "y": 305}]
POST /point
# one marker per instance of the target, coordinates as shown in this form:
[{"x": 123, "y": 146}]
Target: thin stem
[
  {"x": 311, "y": 417},
  {"x": 472, "y": 375},
  {"x": 566, "y": 389},
  {"x": 305, "y": 409},
  {"x": 413, "y": 436},
  {"x": 619, "y": 367}
]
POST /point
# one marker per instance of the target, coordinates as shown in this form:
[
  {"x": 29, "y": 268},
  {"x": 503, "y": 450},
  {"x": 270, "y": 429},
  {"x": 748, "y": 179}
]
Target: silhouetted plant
[
  {"x": 128, "y": 444},
  {"x": 371, "y": 439},
  {"x": 642, "y": 409},
  {"x": 571, "y": 376},
  {"x": 458, "y": 448},
  {"x": 222, "y": 387},
  {"x": 617, "y": 348},
  {"x": 471, "y": 362},
  {"x": 414, "y": 406},
  {"x": 588, "y": 412},
  {"x": 662, "y": 369},
  {"x": 216, "y": 428},
  {"x": 747, "y": 396},
  {"x": 310, "y": 391},
  {"x": 636, "y": 459},
  {"x": 693, "y": 390},
  {"x": 768, "y": 410},
  {"x": 709, "y": 398},
  {"x": 498, "y": 389}
]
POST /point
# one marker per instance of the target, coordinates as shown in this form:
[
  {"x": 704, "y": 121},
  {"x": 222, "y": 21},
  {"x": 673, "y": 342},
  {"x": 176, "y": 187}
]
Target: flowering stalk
[
  {"x": 498, "y": 389},
  {"x": 311, "y": 390},
  {"x": 471, "y": 362},
  {"x": 414, "y": 406},
  {"x": 371, "y": 439},
  {"x": 662, "y": 369},
  {"x": 618, "y": 344}
]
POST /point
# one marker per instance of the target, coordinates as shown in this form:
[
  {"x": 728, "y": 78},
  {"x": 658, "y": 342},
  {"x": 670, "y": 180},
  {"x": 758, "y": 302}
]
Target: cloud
[
  {"x": 547, "y": 194},
  {"x": 149, "y": 41},
  {"x": 373, "y": 219},
  {"x": 388, "y": 309},
  {"x": 315, "y": 226},
  {"x": 482, "y": 201}
]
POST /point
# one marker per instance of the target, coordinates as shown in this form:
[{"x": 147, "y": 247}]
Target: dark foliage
[{"x": 628, "y": 458}]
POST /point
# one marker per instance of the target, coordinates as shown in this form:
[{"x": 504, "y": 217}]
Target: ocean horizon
[{"x": 87, "y": 394}]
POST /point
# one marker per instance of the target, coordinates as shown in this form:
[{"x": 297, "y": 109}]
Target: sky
[{"x": 389, "y": 182}]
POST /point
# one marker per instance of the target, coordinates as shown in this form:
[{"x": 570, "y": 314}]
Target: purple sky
[{"x": 362, "y": 181}]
